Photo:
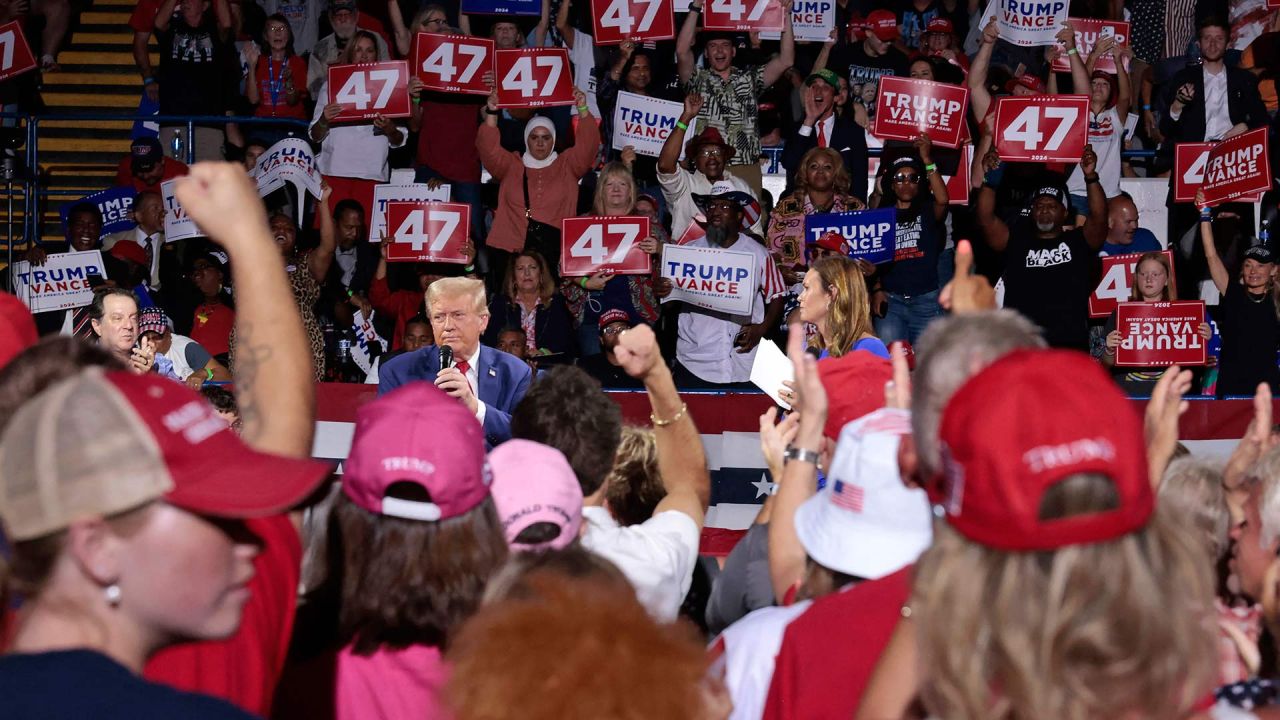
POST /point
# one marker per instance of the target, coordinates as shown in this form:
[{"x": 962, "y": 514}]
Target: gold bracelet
[{"x": 663, "y": 423}]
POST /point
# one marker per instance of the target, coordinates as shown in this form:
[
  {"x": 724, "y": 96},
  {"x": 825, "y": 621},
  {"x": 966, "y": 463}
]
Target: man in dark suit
[
  {"x": 1200, "y": 103},
  {"x": 355, "y": 261},
  {"x": 821, "y": 128},
  {"x": 489, "y": 382}
]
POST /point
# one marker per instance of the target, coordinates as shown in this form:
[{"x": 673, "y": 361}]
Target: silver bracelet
[{"x": 800, "y": 454}]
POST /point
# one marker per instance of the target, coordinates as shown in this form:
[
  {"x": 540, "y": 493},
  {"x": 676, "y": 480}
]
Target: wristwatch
[{"x": 800, "y": 454}]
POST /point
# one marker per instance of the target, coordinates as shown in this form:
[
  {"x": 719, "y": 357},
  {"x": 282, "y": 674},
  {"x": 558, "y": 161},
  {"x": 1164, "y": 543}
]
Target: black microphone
[{"x": 446, "y": 357}]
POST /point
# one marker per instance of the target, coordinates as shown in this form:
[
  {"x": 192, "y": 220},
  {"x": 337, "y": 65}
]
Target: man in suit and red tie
[
  {"x": 489, "y": 382},
  {"x": 822, "y": 128}
]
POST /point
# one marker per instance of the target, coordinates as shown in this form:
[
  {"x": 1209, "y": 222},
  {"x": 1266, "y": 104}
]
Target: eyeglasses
[{"x": 904, "y": 178}]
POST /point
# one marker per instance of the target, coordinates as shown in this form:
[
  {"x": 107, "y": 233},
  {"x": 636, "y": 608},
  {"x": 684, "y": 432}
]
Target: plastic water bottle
[{"x": 177, "y": 147}]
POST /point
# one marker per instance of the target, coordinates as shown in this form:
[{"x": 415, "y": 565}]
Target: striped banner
[{"x": 729, "y": 425}]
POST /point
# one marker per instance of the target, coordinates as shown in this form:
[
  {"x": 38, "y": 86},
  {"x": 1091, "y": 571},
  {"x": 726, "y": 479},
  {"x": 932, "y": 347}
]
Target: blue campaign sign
[
  {"x": 868, "y": 234},
  {"x": 502, "y": 7},
  {"x": 114, "y": 204}
]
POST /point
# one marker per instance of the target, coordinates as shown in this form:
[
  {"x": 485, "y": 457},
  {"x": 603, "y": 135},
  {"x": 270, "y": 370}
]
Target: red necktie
[
  {"x": 822, "y": 134},
  {"x": 463, "y": 366}
]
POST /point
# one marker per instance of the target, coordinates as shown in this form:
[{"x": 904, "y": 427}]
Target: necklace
[{"x": 1259, "y": 299}]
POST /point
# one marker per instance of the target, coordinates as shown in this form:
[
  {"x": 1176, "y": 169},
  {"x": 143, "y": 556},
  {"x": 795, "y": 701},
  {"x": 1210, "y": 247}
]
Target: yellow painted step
[
  {"x": 124, "y": 37},
  {"x": 101, "y": 145},
  {"x": 114, "y": 57},
  {"x": 75, "y": 78},
  {"x": 116, "y": 17},
  {"x": 70, "y": 171},
  {"x": 54, "y": 98},
  {"x": 124, "y": 125}
]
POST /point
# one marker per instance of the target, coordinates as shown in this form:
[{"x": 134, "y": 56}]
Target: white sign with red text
[
  {"x": 15, "y": 54},
  {"x": 1088, "y": 33},
  {"x": 811, "y": 21},
  {"x": 453, "y": 63},
  {"x": 906, "y": 107},
  {"x": 370, "y": 89},
  {"x": 1041, "y": 128},
  {"x": 742, "y": 15},
  {"x": 591, "y": 244},
  {"x": 617, "y": 20},
  {"x": 1027, "y": 23},
  {"x": 533, "y": 77},
  {"x": 428, "y": 232}
]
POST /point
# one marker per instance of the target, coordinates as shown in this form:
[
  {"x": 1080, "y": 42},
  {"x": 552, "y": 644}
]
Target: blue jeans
[{"x": 907, "y": 317}]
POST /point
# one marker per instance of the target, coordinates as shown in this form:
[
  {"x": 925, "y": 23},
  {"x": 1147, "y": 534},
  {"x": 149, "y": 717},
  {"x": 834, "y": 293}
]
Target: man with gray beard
[{"x": 1049, "y": 272}]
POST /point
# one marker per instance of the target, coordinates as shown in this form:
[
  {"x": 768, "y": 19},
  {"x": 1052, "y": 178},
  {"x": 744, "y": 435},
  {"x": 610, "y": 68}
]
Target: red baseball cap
[
  {"x": 939, "y": 25},
  {"x": 855, "y": 386},
  {"x": 1024, "y": 424},
  {"x": 1026, "y": 80},
  {"x": 101, "y": 443},
  {"x": 883, "y": 24},
  {"x": 17, "y": 327},
  {"x": 130, "y": 251},
  {"x": 417, "y": 434}
]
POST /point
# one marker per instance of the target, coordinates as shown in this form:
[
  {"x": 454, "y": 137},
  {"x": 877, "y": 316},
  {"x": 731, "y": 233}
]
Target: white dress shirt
[
  {"x": 353, "y": 151},
  {"x": 1217, "y": 116},
  {"x": 828, "y": 126}
]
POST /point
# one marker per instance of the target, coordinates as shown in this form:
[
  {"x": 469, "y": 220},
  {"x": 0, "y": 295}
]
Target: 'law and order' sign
[
  {"x": 868, "y": 234},
  {"x": 710, "y": 278}
]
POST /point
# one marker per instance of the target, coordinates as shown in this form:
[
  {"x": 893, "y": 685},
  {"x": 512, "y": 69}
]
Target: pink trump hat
[{"x": 533, "y": 483}]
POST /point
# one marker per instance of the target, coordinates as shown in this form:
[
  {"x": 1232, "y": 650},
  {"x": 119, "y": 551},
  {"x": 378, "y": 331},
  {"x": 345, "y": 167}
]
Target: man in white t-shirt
[
  {"x": 191, "y": 363},
  {"x": 659, "y": 554},
  {"x": 716, "y": 349}
]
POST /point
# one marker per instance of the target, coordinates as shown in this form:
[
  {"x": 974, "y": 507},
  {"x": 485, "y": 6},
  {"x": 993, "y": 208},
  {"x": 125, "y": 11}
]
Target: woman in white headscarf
[{"x": 538, "y": 188}]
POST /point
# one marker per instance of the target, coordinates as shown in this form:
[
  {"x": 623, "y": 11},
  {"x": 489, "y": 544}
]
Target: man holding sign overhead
[
  {"x": 1048, "y": 272},
  {"x": 730, "y": 94},
  {"x": 715, "y": 348}
]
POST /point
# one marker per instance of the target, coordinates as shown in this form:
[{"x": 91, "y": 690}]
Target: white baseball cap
[{"x": 866, "y": 522}]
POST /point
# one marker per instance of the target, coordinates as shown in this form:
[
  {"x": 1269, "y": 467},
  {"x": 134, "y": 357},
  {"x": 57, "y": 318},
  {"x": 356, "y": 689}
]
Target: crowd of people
[
  {"x": 1192, "y": 72},
  {"x": 968, "y": 517}
]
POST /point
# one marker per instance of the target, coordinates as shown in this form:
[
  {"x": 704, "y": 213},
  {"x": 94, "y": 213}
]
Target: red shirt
[
  {"x": 447, "y": 143},
  {"x": 828, "y": 653},
  {"x": 263, "y": 74},
  {"x": 245, "y": 668},
  {"x": 400, "y": 304},
  {"x": 143, "y": 19},
  {"x": 124, "y": 174},
  {"x": 211, "y": 327}
]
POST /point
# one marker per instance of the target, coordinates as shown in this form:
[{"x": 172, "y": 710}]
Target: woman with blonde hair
[
  {"x": 616, "y": 194},
  {"x": 822, "y": 186},
  {"x": 1153, "y": 282},
  {"x": 835, "y": 301},
  {"x": 529, "y": 301},
  {"x": 1057, "y": 587}
]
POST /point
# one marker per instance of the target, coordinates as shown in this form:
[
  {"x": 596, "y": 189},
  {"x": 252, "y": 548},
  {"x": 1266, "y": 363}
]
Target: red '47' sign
[
  {"x": 907, "y": 107},
  {"x": 618, "y": 20},
  {"x": 453, "y": 63},
  {"x": 1041, "y": 128},
  {"x": 1160, "y": 334},
  {"x": 428, "y": 231},
  {"x": 533, "y": 77},
  {"x": 1237, "y": 166},
  {"x": 1116, "y": 285},
  {"x": 1088, "y": 33},
  {"x": 591, "y": 244},
  {"x": 370, "y": 89},
  {"x": 15, "y": 53},
  {"x": 740, "y": 15}
]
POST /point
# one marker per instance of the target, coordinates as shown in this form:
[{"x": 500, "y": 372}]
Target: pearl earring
[{"x": 112, "y": 595}]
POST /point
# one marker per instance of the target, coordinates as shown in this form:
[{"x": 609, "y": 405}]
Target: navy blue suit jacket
[{"x": 503, "y": 381}]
